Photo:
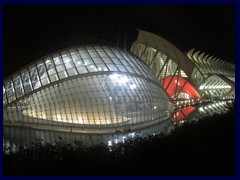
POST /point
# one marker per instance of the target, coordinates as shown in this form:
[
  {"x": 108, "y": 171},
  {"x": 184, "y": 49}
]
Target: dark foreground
[{"x": 203, "y": 148}]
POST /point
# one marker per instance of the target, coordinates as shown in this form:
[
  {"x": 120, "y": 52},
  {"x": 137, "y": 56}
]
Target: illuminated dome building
[
  {"x": 191, "y": 76},
  {"x": 86, "y": 89}
]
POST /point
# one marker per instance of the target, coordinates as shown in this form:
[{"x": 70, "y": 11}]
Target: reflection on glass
[
  {"x": 85, "y": 90},
  {"x": 119, "y": 136}
]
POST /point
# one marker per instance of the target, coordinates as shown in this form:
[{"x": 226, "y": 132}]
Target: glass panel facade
[
  {"x": 75, "y": 62},
  {"x": 97, "y": 100},
  {"x": 124, "y": 91}
]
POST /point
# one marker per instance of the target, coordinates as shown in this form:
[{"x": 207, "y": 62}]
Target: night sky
[{"x": 33, "y": 31}]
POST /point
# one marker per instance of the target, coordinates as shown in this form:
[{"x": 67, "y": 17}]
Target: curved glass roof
[
  {"x": 68, "y": 63},
  {"x": 85, "y": 87}
]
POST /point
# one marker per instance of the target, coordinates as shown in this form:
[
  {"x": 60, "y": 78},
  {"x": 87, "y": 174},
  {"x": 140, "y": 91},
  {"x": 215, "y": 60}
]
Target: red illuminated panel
[
  {"x": 176, "y": 83},
  {"x": 183, "y": 113}
]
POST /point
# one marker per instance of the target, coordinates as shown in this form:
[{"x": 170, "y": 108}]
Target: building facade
[
  {"x": 191, "y": 75},
  {"x": 97, "y": 89},
  {"x": 89, "y": 89}
]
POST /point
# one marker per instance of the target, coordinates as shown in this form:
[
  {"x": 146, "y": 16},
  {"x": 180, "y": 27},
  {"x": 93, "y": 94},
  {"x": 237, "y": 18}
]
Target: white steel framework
[
  {"x": 90, "y": 89},
  {"x": 210, "y": 77}
]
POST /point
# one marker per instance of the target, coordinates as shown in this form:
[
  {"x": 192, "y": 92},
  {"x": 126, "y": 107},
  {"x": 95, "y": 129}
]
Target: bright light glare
[
  {"x": 133, "y": 86},
  {"x": 119, "y": 78}
]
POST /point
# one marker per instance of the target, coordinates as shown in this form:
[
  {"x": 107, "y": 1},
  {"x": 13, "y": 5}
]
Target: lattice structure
[
  {"x": 211, "y": 78},
  {"x": 91, "y": 89},
  {"x": 219, "y": 76}
]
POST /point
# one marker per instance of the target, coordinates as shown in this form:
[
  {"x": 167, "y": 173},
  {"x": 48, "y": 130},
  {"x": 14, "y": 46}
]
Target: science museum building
[{"x": 100, "y": 89}]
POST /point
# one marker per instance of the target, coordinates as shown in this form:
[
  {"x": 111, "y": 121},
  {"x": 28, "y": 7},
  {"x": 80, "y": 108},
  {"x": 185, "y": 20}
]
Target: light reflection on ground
[{"x": 191, "y": 113}]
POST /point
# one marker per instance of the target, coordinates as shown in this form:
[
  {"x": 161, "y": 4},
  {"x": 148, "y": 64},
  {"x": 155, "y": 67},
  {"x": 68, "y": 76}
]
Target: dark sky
[{"x": 33, "y": 31}]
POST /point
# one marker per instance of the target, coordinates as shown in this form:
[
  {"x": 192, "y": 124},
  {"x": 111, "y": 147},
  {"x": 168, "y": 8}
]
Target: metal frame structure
[
  {"x": 212, "y": 78},
  {"x": 88, "y": 89}
]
